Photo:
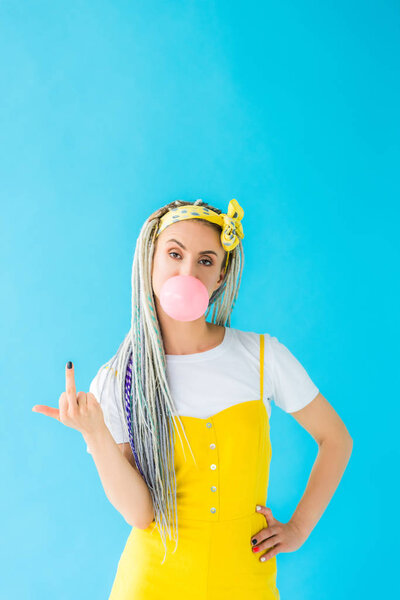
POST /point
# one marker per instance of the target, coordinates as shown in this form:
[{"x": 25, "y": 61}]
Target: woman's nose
[
  {"x": 188, "y": 272},
  {"x": 189, "y": 269}
]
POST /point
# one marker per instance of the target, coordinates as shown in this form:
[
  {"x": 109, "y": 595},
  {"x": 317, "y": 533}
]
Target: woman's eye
[{"x": 207, "y": 259}]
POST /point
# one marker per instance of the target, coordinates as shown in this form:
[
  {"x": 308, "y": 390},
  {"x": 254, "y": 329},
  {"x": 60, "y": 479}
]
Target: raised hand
[{"x": 80, "y": 411}]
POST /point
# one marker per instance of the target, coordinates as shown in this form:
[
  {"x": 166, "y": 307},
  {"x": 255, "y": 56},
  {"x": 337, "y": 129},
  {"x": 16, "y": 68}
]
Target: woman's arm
[
  {"x": 122, "y": 482},
  {"x": 335, "y": 446}
]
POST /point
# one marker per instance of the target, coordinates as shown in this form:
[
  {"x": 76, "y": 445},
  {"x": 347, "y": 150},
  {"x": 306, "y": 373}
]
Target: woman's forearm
[
  {"x": 326, "y": 473},
  {"x": 123, "y": 485}
]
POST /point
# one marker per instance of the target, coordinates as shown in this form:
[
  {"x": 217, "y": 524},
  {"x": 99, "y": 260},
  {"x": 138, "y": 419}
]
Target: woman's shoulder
[
  {"x": 104, "y": 381},
  {"x": 249, "y": 342},
  {"x": 252, "y": 337}
]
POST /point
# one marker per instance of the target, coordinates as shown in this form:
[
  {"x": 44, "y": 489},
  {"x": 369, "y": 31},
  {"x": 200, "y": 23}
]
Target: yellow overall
[{"x": 217, "y": 517}]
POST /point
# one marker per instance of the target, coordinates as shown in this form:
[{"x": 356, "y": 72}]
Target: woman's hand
[
  {"x": 80, "y": 411},
  {"x": 277, "y": 537}
]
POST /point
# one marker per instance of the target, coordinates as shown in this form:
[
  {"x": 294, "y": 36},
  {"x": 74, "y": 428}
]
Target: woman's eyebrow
[{"x": 183, "y": 247}]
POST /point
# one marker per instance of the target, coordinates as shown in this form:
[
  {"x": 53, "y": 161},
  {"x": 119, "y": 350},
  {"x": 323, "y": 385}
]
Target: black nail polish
[
  {"x": 254, "y": 541},
  {"x": 69, "y": 365}
]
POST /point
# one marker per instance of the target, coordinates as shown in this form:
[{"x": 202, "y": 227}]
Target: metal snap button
[
  {"x": 213, "y": 510},
  {"x": 208, "y": 424},
  {"x": 213, "y": 488},
  {"x": 213, "y": 467},
  {"x": 212, "y": 446}
]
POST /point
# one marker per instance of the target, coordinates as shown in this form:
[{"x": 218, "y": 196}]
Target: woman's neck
[{"x": 189, "y": 337}]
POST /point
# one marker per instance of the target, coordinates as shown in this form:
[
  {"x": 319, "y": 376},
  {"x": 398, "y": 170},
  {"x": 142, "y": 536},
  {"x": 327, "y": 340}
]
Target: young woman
[{"x": 177, "y": 422}]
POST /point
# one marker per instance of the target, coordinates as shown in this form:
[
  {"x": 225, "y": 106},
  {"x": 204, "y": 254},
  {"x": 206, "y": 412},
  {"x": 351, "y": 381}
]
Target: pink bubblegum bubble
[{"x": 184, "y": 297}]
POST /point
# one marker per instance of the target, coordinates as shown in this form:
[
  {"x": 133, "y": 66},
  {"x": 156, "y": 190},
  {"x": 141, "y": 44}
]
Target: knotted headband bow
[{"x": 231, "y": 224}]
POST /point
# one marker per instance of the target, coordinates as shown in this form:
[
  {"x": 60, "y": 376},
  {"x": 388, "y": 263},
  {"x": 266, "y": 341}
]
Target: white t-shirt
[{"x": 205, "y": 383}]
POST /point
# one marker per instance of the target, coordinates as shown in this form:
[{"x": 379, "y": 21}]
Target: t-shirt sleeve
[
  {"x": 292, "y": 387},
  {"x": 106, "y": 393}
]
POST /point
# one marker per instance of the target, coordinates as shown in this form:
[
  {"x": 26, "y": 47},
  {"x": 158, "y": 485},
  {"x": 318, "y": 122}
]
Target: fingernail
[
  {"x": 254, "y": 541},
  {"x": 69, "y": 365},
  {"x": 255, "y": 548},
  {"x": 262, "y": 558},
  {"x": 258, "y": 507}
]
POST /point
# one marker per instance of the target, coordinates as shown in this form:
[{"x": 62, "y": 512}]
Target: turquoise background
[{"x": 110, "y": 109}]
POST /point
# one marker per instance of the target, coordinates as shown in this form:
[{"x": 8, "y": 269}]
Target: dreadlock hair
[{"x": 140, "y": 367}]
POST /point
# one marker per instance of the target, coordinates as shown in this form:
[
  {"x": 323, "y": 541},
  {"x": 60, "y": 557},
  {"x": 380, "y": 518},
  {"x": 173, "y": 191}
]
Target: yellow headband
[{"x": 231, "y": 222}]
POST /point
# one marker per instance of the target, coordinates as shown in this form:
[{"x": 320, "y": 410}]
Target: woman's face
[{"x": 188, "y": 248}]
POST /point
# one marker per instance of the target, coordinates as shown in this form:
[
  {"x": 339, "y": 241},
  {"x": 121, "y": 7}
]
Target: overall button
[
  {"x": 213, "y": 488},
  {"x": 208, "y": 424},
  {"x": 213, "y": 467},
  {"x": 212, "y": 446},
  {"x": 213, "y": 510}
]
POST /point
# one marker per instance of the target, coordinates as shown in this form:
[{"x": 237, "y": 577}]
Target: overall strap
[{"x": 261, "y": 365}]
